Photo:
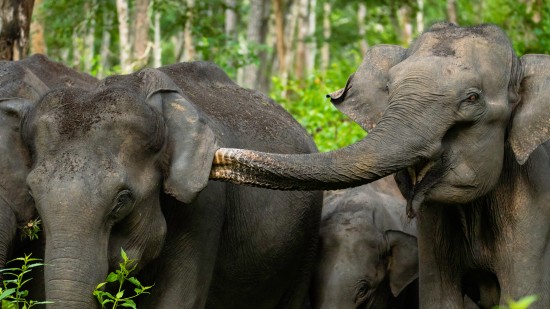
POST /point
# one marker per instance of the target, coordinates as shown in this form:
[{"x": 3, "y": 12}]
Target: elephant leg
[
  {"x": 439, "y": 287},
  {"x": 187, "y": 261}
]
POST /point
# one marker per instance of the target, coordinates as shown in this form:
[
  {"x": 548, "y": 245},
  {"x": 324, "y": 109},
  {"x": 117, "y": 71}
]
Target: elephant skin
[
  {"x": 368, "y": 255},
  {"x": 22, "y": 83},
  {"x": 126, "y": 165},
  {"x": 465, "y": 123}
]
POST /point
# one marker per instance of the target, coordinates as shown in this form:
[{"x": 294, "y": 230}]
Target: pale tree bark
[
  {"x": 38, "y": 43},
  {"x": 451, "y": 11},
  {"x": 77, "y": 43},
  {"x": 15, "y": 21},
  {"x": 302, "y": 28},
  {"x": 292, "y": 17},
  {"x": 420, "y": 16},
  {"x": 405, "y": 25},
  {"x": 141, "y": 34},
  {"x": 157, "y": 50},
  {"x": 89, "y": 50},
  {"x": 104, "y": 50},
  {"x": 280, "y": 35},
  {"x": 231, "y": 19},
  {"x": 325, "y": 50},
  {"x": 189, "y": 46},
  {"x": 124, "y": 36},
  {"x": 311, "y": 45},
  {"x": 256, "y": 33},
  {"x": 361, "y": 16}
]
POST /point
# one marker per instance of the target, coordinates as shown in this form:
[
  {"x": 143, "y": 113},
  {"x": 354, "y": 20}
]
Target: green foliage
[
  {"x": 121, "y": 276},
  {"x": 12, "y": 294},
  {"x": 523, "y": 303},
  {"x": 306, "y": 101},
  {"x": 31, "y": 229}
]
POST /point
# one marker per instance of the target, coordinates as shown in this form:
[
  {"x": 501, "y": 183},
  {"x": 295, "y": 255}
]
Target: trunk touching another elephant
[{"x": 379, "y": 154}]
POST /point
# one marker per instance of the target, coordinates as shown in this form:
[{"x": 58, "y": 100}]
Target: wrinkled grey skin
[
  {"x": 465, "y": 123},
  {"x": 368, "y": 256},
  {"x": 22, "y": 83},
  {"x": 126, "y": 165}
]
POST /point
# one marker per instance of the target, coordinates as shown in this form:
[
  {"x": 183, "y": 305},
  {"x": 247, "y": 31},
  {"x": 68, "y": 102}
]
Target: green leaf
[
  {"x": 123, "y": 254},
  {"x": 523, "y": 303},
  {"x": 134, "y": 281},
  {"x": 99, "y": 286},
  {"x": 112, "y": 277},
  {"x": 7, "y": 293},
  {"x": 128, "y": 303},
  {"x": 120, "y": 294}
]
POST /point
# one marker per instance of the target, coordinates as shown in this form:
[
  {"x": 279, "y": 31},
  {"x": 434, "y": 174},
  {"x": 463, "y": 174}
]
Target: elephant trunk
[
  {"x": 395, "y": 143},
  {"x": 8, "y": 228},
  {"x": 74, "y": 267}
]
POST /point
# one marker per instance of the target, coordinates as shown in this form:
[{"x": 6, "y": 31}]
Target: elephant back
[{"x": 255, "y": 120}]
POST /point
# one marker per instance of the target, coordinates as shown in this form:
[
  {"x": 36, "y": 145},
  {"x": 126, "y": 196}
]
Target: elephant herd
[{"x": 216, "y": 190}]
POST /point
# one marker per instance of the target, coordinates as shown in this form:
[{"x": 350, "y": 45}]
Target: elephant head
[
  {"x": 22, "y": 83},
  {"x": 453, "y": 106},
  {"x": 367, "y": 256},
  {"x": 101, "y": 158}
]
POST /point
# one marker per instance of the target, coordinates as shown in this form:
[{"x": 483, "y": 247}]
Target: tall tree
[
  {"x": 451, "y": 11},
  {"x": 15, "y": 21},
  {"x": 141, "y": 33},
  {"x": 256, "y": 34},
  {"x": 231, "y": 19},
  {"x": 361, "y": 16},
  {"x": 38, "y": 42},
  {"x": 123, "y": 36},
  {"x": 280, "y": 34},
  {"x": 325, "y": 50}
]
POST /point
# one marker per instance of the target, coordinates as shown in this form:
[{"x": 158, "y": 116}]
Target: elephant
[
  {"x": 126, "y": 165},
  {"x": 465, "y": 124},
  {"x": 368, "y": 256},
  {"x": 21, "y": 84}
]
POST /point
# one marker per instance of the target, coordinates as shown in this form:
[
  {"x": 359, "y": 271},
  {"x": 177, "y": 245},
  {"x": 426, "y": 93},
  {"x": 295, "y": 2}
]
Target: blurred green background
[{"x": 297, "y": 51}]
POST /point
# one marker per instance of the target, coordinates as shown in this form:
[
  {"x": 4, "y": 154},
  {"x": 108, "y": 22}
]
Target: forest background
[{"x": 296, "y": 51}]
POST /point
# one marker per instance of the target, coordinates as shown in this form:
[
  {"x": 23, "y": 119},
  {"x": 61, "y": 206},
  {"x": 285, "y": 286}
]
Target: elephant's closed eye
[
  {"x": 123, "y": 204},
  {"x": 362, "y": 291}
]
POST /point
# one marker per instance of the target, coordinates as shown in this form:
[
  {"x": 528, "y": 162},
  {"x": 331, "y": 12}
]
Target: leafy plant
[
  {"x": 522, "y": 303},
  {"x": 31, "y": 229},
  {"x": 121, "y": 276},
  {"x": 12, "y": 294}
]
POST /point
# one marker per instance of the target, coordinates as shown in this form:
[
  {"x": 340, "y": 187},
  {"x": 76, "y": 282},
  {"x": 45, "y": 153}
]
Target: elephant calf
[{"x": 368, "y": 252}]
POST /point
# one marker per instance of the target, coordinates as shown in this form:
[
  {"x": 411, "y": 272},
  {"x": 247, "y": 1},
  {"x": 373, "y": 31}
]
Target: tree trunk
[
  {"x": 311, "y": 46},
  {"x": 256, "y": 33},
  {"x": 38, "y": 43},
  {"x": 451, "y": 11},
  {"x": 15, "y": 21},
  {"x": 405, "y": 24},
  {"x": 141, "y": 34},
  {"x": 420, "y": 16},
  {"x": 361, "y": 16},
  {"x": 303, "y": 21},
  {"x": 230, "y": 19},
  {"x": 325, "y": 50},
  {"x": 105, "y": 43},
  {"x": 124, "y": 36},
  {"x": 280, "y": 35},
  {"x": 189, "y": 47},
  {"x": 89, "y": 38},
  {"x": 157, "y": 49}
]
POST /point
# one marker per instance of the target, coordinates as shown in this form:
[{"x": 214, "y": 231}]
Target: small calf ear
[
  {"x": 191, "y": 143},
  {"x": 15, "y": 106},
  {"x": 531, "y": 121},
  {"x": 403, "y": 263}
]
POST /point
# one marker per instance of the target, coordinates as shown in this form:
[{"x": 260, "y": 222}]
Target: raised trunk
[{"x": 394, "y": 144}]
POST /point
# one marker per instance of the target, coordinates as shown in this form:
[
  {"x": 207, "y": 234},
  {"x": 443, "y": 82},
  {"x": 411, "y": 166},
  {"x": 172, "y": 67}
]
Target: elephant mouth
[{"x": 416, "y": 181}]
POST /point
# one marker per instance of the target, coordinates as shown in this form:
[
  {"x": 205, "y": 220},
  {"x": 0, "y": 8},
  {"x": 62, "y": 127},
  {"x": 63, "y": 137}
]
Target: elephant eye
[
  {"x": 472, "y": 97},
  {"x": 123, "y": 200},
  {"x": 362, "y": 292}
]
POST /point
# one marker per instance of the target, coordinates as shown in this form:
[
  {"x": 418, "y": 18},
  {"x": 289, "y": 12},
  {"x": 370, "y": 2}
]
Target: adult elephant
[
  {"x": 126, "y": 165},
  {"x": 22, "y": 83},
  {"x": 465, "y": 123},
  {"x": 368, "y": 256}
]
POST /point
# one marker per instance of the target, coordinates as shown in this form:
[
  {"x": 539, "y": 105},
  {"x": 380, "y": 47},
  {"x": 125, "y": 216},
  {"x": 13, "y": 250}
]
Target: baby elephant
[{"x": 368, "y": 252}]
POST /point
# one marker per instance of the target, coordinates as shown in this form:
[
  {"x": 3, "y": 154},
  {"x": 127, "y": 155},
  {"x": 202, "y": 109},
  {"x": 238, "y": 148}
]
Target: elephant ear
[
  {"x": 15, "y": 106},
  {"x": 365, "y": 96},
  {"x": 403, "y": 260},
  {"x": 531, "y": 121},
  {"x": 191, "y": 143}
]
